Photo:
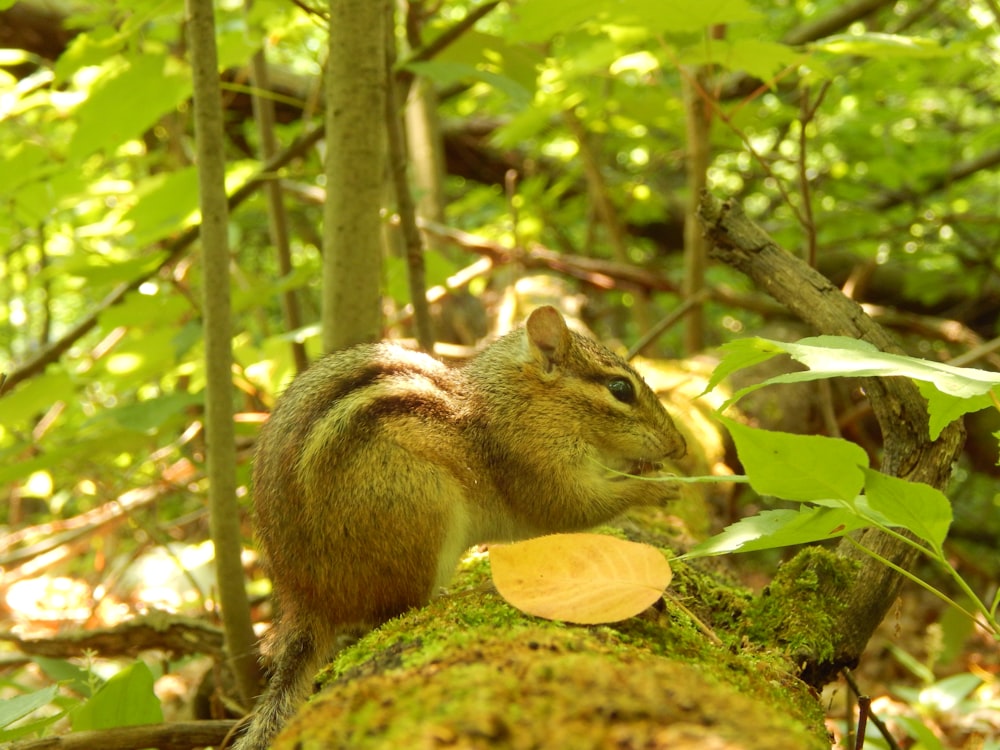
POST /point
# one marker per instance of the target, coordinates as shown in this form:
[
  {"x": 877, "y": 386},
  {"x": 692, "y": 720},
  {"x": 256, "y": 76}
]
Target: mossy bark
[{"x": 470, "y": 671}]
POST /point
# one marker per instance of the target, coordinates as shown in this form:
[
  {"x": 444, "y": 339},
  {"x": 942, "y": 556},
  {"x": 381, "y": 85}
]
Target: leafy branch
[{"x": 830, "y": 473}]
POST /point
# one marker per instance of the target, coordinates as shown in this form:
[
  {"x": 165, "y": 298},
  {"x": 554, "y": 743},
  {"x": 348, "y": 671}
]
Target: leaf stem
[{"x": 923, "y": 584}]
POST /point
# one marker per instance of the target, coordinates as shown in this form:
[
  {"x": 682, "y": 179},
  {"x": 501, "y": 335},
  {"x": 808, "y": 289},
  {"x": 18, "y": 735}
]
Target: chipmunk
[{"x": 380, "y": 466}]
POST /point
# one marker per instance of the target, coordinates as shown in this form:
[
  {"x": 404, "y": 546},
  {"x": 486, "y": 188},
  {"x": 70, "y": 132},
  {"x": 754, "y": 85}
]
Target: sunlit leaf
[
  {"x": 539, "y": 20},
  {"x": 798, "y": 467},
  {"x": 35, "y": 397},
  {"x": 943, "y": 408},
  {"x": 166, "y": 204},
  {"x": 840, "y": 356},
  {"x": 875, "y": 44},
  {"x": 126, "y": 699},
  {"x": 581, "y": 578},
  {"x": 759, "y": 58},
  {"x": 20, "y": 706},
  {"x": 918, "y": 507},
  {"x": 771, "y": 529},
  {"x": 740, "y": 354},
  {"x": 127, "y": 103}
]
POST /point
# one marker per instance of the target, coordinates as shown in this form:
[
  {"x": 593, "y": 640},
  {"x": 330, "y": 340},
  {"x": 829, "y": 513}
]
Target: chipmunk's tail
[{"x": 296, "y": 657}]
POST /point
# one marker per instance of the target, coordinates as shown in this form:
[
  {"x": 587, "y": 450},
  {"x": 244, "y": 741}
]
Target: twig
[
  {"x": 879, "y": 724},
  {"x": 179, "y": 735},
  {"x": 676, "y": 314},
  {"x": 807, "y": 114}
]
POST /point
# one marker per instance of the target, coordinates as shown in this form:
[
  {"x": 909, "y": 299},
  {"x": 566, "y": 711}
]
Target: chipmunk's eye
[{"x": 622, "y": 389}]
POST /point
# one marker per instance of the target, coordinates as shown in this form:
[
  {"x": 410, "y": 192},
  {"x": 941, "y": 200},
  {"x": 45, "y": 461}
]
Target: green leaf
[
  {"x": 949, "y": 692},
  {"x": 799, "y": 467},
  {"x": 915, "y": 728},
  {"x": 143, "y": 309},
  {"x": 35, "y": 727},
  {"x": 32, "y": 399},
  {"x": 770, "y": 529},
  {"x": 126, "y": 103},
  {"x": 126, "y": 699},
  {"x": 943, "y": 408},
  {"x": 840, "y": 356},
  {"x": 18, "y": 707},
  {"x": 77, "y": 678},
  {"x": 167, "y": 203},
  {"x": 151, "y": 414},
  {"x": 690, "y": 15},
  {"x": 100, "y": 270},
  {"x": 539, "y": 20},
  {"x": 918, "y": 507},
  {"x": 22, "y": 163},
  {"x": 738, "y": 355},
  {"x": 759, "y": 58},
  {"x": 882, "y": 46}
]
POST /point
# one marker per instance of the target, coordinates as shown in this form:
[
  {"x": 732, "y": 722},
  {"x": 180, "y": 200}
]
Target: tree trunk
[
  {"x": 355, "y": 173},
  {"x": 219, "y": 428}
]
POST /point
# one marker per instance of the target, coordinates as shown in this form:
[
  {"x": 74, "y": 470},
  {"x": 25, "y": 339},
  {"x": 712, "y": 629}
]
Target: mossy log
[{"x": 470, "y": 671}]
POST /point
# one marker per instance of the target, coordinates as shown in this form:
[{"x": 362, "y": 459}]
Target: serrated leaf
[
  {"x": 918, "y": 507},
  {"x": 771, "y": 529},
  {"x": 124, "y": 700},
  {"x": 798, "y": 467},
  {"x": 581, "y": 578}
]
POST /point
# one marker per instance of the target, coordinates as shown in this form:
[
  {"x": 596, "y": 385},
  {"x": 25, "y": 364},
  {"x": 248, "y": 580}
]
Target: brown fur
[{"x": 379, "y": 466}]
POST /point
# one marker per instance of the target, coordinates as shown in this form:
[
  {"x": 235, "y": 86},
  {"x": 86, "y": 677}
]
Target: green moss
[
  {"x": 469, "y": 670},
  {"x": 793, "y": 614}
]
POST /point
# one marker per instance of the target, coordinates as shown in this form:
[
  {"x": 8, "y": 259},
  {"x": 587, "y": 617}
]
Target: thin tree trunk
[
  {"x": 355, "y": 173},
  {"x": 412, "y": 239},
  {"x": 263, "y": 111},
  {"x": 220, "y": 434}
]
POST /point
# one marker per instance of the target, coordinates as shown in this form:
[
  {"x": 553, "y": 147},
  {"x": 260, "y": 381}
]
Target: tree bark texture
[
  {"x": 897, "y": 404},
  {"x": 355, "y": 173},
  {"x": 219, "y": 429}
]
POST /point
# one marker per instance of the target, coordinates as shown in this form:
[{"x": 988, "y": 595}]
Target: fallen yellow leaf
[{"x": 580, "y": 578}]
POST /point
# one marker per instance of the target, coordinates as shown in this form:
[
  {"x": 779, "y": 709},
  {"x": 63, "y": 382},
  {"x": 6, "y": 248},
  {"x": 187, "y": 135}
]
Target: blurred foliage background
[{"x": 863, "y": 135}]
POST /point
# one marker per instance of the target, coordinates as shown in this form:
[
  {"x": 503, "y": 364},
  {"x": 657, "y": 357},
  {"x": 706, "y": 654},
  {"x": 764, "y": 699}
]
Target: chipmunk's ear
[{"x": 547, "y": 335}]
